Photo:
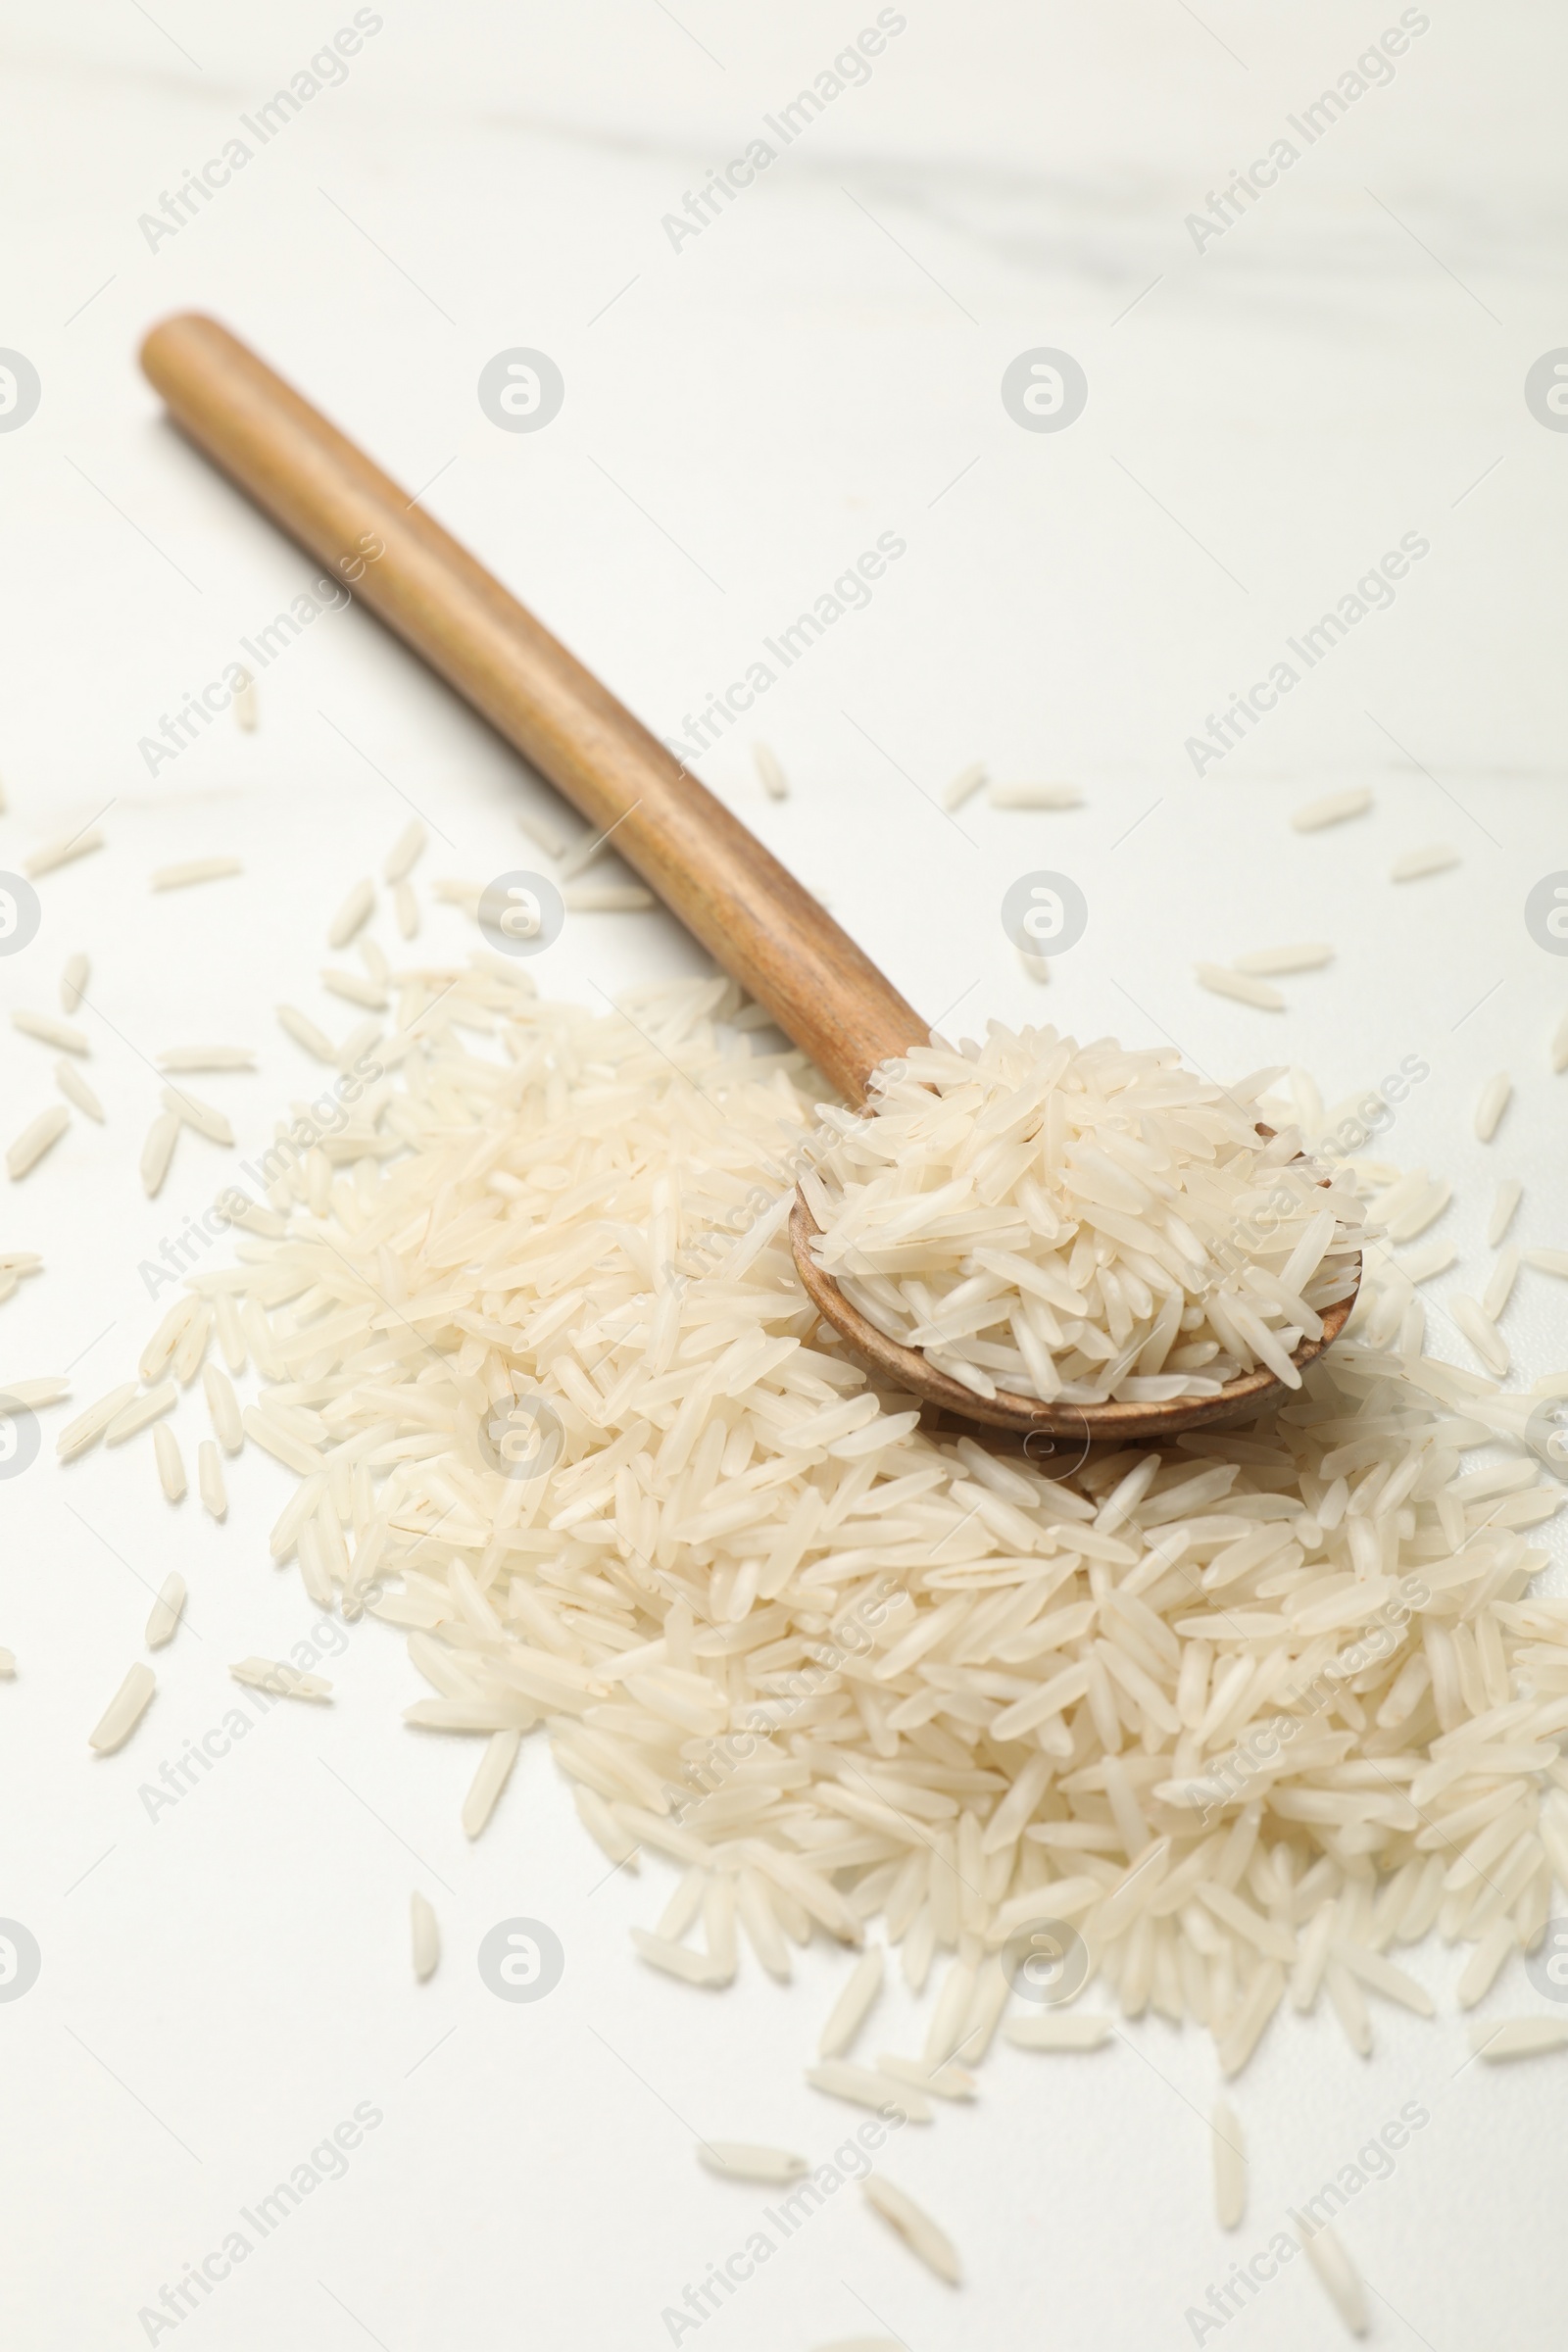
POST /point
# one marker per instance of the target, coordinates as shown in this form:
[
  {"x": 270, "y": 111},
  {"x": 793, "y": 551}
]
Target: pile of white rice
[
  {"x": 1238, "y": 1715},
  {"x": 1075, "y": 1224}
]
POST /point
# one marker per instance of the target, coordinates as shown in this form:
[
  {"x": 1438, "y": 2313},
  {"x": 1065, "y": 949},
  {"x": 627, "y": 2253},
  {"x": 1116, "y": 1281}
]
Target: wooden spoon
[{"x": 751, "y": 914}]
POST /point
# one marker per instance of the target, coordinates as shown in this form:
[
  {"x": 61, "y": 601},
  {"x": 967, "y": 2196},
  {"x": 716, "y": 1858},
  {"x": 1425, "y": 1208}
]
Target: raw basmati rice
[
  {"x": 1559, "y": 1046},
  {"x": 1504, "y": 1202},
  {"x": 167, "y": 1608},
  {"x": 1338, "y": 2272},
  {"x": 973, "y": 1693},
  {"x": 170, "y": 1462},
  {"x": 59, "y": 853},
  {"x": 36, "y": 1139},
  {"x": 207, "y": 1058},
  {"x": 406, "y": 851},
  {"x": 743, "y": 2159},
  {"x": 1035, "y": 795},
  {"x": 305, "y": 1033},
  {"x": 123, "y": 1711},
  {"x": 353, "y": 914},
  {"x": 1222, "y": 981},
  {"x": 89, "y": 1427},
  {"x": 1092, "y": 1223},
  {"x": 1415, "y": 864},
  {"x": 246, "y": 709},
  {"x": 965, "y": 784},
  {"x": 1063, "y": 2030},
  {"x": 282, "y": 1680},
  {"x": 1332, "y": 809},
  {"x": 770, "y": 775},
  {"x": 210, "y": 1479},
  {"x": 854, "y": 2004},
  {"x": 1229, "y": 2150},
  {"x": 405, "y": 906},
  {"x": 157, "y": 1150},
  {"x": 1491, "y": 1104},
  {"x": 196, "y": 1115},
  {"x": 607, "y": 897},
  {"x": 425, "y": 1937},
  {"x": 1500, "y": 1285},
  {"x": 50, "y": 1032},
  {"x": 74, "y": 981},
  {"x": 73, "y": 1086},
  {"x": 1519, "y": 2038},
  {"x": 916, "y": 2226},
  {"x": 194, "y": 871},
  {"x": 140, "y": 1413}
]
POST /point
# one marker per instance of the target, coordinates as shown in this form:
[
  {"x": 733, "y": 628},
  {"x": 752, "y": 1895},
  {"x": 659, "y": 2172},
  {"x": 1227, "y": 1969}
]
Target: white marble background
[{"x": 1346, "y": 364}]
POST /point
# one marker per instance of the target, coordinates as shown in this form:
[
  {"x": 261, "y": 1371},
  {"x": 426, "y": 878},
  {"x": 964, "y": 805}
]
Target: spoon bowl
[{"x": 906, "y": 1368}]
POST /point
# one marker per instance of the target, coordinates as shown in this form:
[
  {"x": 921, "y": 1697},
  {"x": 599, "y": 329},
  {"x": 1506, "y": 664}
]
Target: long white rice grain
[
  {"x": 305, "y": 1033},
  {"x": 36, "y": 1139},
  {"x": 353, "y": 914},
  {"x": 916, "y": 2226},
  {"x": 425, "y": 1937},
  {"x": 1413, "y": 865},
  {"x": 89, "y": 1427},
  {"x": 157, "y": 1150},
  {"x": 680, "y": 1961},
  {"x": 405, "y": 854},
  {"x": 1504, "y": 1202},
  {"x": 1338, "y": 2274},
  {"x": 405, "y": 906},
  {"x": 8, "y": 1665},
  {"x": 207, "y": 1058},
  {"x": 1035, "y": 795},
  {"x": 1491, "y": 1104},
  {"x": 355, "y": 988},
  {"x": 194, "y": 871},
  {"x": 281, "y": 1679},
  {"x": 770, "y": 775},
  {"x": 167, "y": 1610},
  {"x": 1480, "y": 1330},
  {"x": 224, "y": 1406},
  {"x": 74, "y": 981},
  {"x": 744, "y": 2160},
  {"x": 210, "y": 1478},
  {"x": 1548, "y": 1262},
  {"x": 607, "y": 897},
  {"x": 1229, "y": 2151},
  {"x": 59, "y": 853},
  {"x": 1519, "y": 2038},
  {"x": 202, "y": 1117},
  {"x": 1500, "y": 1285},
  {"x": 73, "y": 1086},
  {"x": 36, "y": 1392},
  {"x": 170, "y": 1462},
  {"x": 854, "y": 2005},
  {"x": 1332, "y": 809},
  {"x": 1063, "y": 2030},
  {"x": 141, "y": 1412},
  {"x": 495, "y": 1770},
  {"x": 244, "y": 705},
  {"x": 50, "y": 1031},
  {"x": 123, "y": 1711},
  {"x": 1222, "y": 981},
  {"x": 965, "y": 784},
  {"x": 1310, "y": 957},
  {"x": 867, "y": 2087}
]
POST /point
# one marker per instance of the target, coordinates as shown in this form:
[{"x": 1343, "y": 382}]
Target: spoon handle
[{"x": 751, "y": 914}]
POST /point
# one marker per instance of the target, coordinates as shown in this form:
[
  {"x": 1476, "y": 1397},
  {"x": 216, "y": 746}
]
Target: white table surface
[{"x": 223, "y": 1984}]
